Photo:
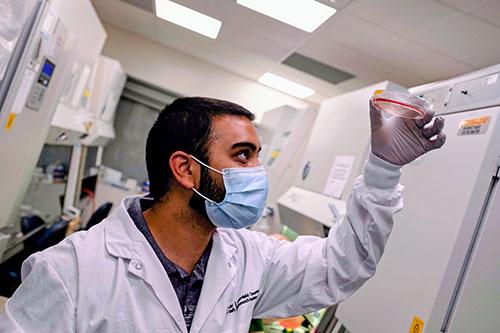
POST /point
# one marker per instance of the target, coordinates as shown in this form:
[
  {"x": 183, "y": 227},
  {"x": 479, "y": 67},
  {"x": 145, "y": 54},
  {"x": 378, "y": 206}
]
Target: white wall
[{"x": 188, "y": 76}]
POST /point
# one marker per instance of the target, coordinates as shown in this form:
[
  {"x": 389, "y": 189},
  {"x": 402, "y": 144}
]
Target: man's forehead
[{"x": 229, "y": 129}]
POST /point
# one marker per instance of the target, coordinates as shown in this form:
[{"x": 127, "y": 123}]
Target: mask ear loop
[
  {"x": 201, "y": 195},
  {"x": 209, "y": 167}
]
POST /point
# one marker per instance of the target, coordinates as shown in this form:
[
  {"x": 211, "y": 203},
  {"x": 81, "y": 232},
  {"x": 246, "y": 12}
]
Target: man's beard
[{"x": 210, "y": 189}]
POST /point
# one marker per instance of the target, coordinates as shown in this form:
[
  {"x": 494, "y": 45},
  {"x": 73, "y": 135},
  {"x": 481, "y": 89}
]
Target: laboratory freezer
[{"x": 440, "y": 267}]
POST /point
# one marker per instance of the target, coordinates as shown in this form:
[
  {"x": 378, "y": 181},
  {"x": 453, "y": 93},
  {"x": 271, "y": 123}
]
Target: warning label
[
  {"x": 417, "y": 325},
  {"x": 474, "y": 126},
  {"x": 10, "y": 121}
]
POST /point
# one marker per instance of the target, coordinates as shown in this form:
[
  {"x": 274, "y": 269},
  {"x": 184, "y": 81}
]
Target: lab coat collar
[
  {"x": 121, "y": 235},
  {"x": 124, "y": 240}
]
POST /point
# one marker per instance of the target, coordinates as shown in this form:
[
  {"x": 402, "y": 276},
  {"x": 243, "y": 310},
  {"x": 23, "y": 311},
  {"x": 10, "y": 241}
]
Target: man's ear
[{"x": 184, "y": 169}]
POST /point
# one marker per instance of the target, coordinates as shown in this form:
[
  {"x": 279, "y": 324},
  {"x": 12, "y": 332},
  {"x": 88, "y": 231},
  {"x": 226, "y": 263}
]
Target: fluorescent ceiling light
[
  {"x": 287, "y": 86},
  {"x": 303, "y": 14},
  {"x": 188, "y": 18}
]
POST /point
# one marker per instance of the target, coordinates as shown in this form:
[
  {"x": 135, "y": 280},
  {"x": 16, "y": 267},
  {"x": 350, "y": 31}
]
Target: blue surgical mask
[{"x": 246, "y": 194}]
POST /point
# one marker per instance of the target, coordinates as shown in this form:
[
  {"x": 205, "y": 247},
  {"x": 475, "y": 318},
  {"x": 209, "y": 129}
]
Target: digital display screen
[{"x": 48, "y": 68}]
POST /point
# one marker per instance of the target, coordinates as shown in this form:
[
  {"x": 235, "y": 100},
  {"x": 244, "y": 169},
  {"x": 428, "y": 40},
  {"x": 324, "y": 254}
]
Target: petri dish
[{"x": 400, "y": 104}]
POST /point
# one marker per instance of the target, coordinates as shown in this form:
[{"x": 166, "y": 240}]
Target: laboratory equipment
[
  {"x": 284, "y": 133},
  {"x": 440, "y": 267},
  {"x": 334, "y": 156},
  {"x": 53, "y": 35},
  {"x": 109, "y": 82},
  {"x": 30, "y": 89},
  {"x": 400, "y": 104},
  {"x": 86, "y": 111},
  {"x": 73, "y": 117},
  {"x": 91, "y": 122},
  {"x": 13, "y": 16}
]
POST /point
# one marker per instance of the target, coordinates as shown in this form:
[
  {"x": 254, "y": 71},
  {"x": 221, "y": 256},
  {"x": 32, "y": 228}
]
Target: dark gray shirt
[{"x": 186, "y": 286}]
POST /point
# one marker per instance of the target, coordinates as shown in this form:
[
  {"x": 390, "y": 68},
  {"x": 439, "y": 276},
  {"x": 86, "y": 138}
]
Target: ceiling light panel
[
  {"x": 286, "y": 86},
  {"x": 306, "y": 15},
  {"x": 188, "y": 18}
]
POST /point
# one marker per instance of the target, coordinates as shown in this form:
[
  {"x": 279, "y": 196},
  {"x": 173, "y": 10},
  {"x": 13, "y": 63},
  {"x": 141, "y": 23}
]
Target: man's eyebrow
[{"x": 245, "y": 144}]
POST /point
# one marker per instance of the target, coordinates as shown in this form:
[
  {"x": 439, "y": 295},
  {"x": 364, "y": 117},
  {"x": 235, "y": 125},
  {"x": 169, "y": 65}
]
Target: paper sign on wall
[{"x": 339, "y": 174}]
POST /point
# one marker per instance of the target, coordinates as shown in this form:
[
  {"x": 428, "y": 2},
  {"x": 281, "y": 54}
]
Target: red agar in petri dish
[{"x": 400, "y": 104}]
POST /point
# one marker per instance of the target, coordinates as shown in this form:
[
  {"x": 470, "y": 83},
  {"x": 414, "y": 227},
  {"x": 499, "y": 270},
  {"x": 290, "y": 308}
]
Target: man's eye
[{"x": 243, "y": 156}]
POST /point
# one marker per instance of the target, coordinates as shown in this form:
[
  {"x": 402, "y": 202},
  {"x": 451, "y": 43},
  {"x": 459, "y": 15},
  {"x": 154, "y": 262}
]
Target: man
[{"x": 181, "y": 260}]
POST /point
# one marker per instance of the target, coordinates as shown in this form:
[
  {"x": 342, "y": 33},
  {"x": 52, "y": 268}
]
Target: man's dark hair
[{"x": 183, "y": 125}]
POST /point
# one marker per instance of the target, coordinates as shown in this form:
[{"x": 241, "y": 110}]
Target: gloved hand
[{"x": 399, "y": 140}]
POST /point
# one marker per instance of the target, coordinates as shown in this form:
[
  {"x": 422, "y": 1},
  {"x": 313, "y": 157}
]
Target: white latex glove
[{"x": 399, "y": 140}]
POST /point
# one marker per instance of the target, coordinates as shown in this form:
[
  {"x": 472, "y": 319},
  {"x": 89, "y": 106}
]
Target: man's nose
[{"x": 255, "y": 162}]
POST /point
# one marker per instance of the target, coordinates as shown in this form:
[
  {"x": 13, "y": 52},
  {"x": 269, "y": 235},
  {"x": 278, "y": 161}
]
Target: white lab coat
[{"x": 109, "y": 279}]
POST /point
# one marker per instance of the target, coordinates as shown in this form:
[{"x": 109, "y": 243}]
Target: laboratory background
[{"x": 82, "y": 82}]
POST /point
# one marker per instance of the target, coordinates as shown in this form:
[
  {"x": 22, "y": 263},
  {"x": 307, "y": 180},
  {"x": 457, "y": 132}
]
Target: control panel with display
[{"x": 40, "y": 85}]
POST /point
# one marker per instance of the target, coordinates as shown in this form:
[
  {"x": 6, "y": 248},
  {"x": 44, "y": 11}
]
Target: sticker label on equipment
[
  {"x": 492, "y": 79},
  {"x": 417, "y": 325},
  {"x": 10, "y": 121},
  {"x": 24, "y": 90},
  {"x": 474, "y": 126}
]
